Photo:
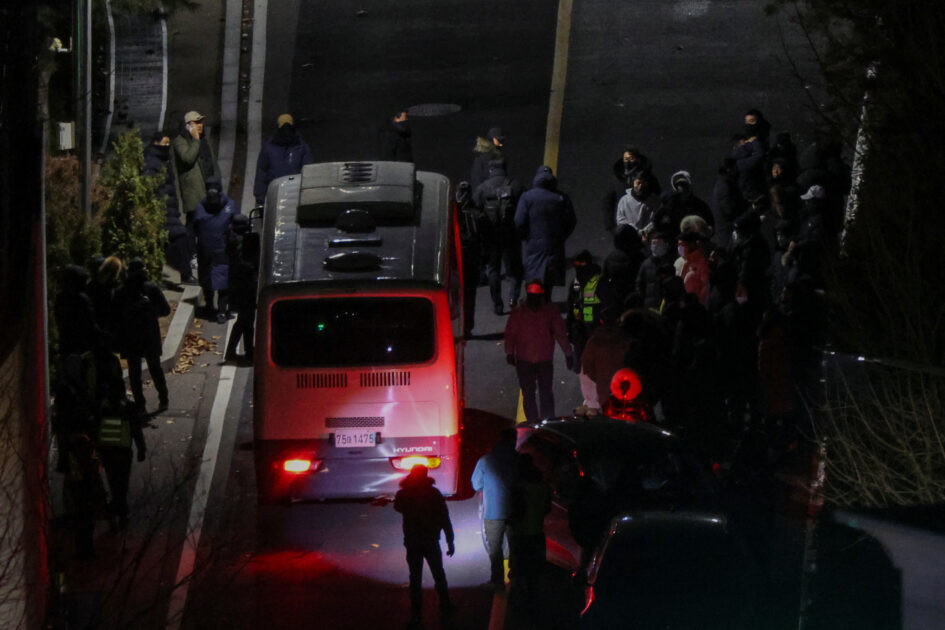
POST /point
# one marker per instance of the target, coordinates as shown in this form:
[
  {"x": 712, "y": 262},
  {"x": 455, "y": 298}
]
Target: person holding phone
[{"x": 194, "y": 162}]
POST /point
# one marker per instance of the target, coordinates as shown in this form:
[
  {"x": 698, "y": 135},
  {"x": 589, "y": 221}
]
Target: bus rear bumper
[{"x": 344, "y": 473}]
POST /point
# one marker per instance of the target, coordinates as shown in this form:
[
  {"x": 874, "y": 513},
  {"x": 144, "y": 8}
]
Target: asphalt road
[{"x": 674, "y": 78}]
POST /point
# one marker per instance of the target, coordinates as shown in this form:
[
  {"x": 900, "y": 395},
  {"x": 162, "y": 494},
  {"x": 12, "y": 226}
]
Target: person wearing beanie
[
  {"x": 679, "y": 202},
  {"x": 283, "y": 153},
  {"x": 498, "y": 197},
  {"x": 492, "y": 147}
]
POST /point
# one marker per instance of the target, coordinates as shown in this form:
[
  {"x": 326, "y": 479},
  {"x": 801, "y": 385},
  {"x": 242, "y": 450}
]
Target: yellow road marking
[{"x": 559, "y": 73}]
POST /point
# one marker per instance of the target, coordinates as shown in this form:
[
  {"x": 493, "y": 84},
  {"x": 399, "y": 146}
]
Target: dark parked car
[
  {"x": 601, "y": 467},
  {"x": 658, "y": 570}
]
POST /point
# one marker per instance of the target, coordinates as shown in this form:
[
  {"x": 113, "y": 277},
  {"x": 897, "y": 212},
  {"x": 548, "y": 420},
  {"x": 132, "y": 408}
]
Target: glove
[
  {"x": 450, "y": 549},
  {"x": 510, "y": 359},
  {"x": 569, "y": 361}
]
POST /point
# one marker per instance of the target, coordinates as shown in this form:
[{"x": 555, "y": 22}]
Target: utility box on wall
[{"x": 65, "y": 138}]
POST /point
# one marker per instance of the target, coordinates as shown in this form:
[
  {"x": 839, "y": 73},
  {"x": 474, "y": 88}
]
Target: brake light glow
[
  {"x": 408, "y": 462},
  {"x": 299, "y": 466}
]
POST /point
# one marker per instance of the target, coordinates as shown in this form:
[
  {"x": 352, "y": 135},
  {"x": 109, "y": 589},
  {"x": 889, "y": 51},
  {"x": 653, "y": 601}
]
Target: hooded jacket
[
  {"x": 285, "y": 153},
  {"x": 544, "y": 219},
  {"x": 675, "y": 205},
  {"x": 424, "y": 510},
  {"x": 624, "y": 174},
  {"x": 210, "y": 228},
  {"x": 632, "y": 210}
]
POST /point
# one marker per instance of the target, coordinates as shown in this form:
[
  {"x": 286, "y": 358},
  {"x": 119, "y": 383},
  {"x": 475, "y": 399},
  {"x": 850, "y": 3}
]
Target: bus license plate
[{"x": 353, "y": 438}]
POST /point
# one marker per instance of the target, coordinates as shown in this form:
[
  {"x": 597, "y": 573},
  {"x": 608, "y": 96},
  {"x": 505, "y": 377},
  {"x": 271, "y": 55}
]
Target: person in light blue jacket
[{"x": 495, "y": 476}]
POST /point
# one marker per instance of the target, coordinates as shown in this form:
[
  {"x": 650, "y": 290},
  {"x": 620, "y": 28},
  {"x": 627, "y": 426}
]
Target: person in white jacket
[{"x": 634, "y": 207}]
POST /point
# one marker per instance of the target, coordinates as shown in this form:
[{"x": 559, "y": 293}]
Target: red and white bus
[{"x": 359, "y": 347}]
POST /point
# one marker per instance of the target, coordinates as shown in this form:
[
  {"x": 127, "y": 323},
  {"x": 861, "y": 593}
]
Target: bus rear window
[{"x": 336, "y": 332}]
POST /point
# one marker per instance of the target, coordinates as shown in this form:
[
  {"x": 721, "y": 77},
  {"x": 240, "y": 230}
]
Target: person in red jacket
[{"x": 530, "y": 335}]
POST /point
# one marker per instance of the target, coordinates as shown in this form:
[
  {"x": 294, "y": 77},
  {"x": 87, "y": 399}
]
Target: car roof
[
  {"x": 581, "y": 430},
  {"x": 664, "y": 518}
]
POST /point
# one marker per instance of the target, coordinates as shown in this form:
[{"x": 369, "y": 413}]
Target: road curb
[{"x": 183, "y": 315}]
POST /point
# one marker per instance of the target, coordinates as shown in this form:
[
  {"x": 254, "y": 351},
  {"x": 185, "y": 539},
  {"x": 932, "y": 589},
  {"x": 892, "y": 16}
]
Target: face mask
[
  {"x": 583, "y": 274},
  {"x": 214, "y": 198},
  {"x": 741, "y": 299},
  {"x": 783, "y": 241},
  {"x": 681, "y": 251},
  {"x": 659, "y": 249}
]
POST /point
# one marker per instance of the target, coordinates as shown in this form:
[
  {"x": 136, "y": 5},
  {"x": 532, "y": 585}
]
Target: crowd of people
[
  {"x": 715, "y": 304},
  {"x": 111, "y": 308}
]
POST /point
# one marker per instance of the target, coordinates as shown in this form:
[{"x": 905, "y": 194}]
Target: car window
[
  {"x": 553, "y": 457},
  {"x": 655, "y": 479}
]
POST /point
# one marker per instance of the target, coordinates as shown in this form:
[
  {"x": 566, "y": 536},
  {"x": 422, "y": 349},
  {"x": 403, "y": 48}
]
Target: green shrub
[
  {"x": 133, "y": 214},
  {"x": 72, "y": 237}
]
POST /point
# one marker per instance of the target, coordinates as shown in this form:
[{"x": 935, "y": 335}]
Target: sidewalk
[{"x": 130, "y": 578}]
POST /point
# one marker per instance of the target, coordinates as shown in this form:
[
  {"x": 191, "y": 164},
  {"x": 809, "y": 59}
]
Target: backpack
[{"x": 500, "y": 205}]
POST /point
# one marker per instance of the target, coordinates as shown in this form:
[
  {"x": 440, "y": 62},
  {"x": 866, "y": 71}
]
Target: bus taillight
[
  {"x": 299, "y": 466},
  {"x": 406, "y": 463}
]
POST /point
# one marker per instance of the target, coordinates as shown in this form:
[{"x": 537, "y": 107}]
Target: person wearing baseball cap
[{"x": 194, "y": 162}]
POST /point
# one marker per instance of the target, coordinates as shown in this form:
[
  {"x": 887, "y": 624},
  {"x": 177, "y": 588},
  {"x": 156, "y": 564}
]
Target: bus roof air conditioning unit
[{"x": 387, "y": 190}]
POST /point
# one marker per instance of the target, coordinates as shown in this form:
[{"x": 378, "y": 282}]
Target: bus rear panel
[{"x": 359, "y": 362}]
